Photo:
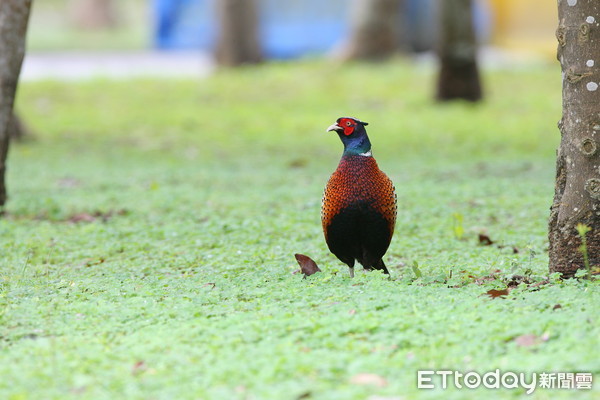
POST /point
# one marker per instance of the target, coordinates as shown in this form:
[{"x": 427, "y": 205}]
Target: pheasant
[{"x": 358, "y": 213}]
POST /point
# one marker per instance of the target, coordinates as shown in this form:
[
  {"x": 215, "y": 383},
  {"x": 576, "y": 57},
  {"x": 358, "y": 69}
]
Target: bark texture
[
  {"x": 375, "y": 30},
  {"x": 238, "y": 39},
  {"x": 17, "y": 130},
  {"x": 577, "y": 190},
  {"x": 457, "y": 52},
  {"x": 14, "y": 15}
]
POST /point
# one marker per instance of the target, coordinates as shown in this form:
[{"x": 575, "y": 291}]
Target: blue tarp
[{"x": 288, "y": 29}]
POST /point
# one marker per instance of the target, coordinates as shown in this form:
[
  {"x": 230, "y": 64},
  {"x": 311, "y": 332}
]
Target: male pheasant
[{"x": 359, "y": 204}]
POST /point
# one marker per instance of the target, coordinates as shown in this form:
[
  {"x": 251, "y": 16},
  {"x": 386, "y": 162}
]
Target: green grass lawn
[{"x": 148, "y": 247}]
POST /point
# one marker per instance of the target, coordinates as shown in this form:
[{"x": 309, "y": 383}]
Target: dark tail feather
[{"x": 381, "y": 266}]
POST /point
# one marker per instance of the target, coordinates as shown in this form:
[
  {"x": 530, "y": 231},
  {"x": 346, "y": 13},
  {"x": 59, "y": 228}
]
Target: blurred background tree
[
  {"x": 93, "y": 14},
  {"x": 14, "y": 17},
  {"x": 457, "y": 52},
  {"x": 238, "y": 39},
  {"x": 375, "y": 29}
]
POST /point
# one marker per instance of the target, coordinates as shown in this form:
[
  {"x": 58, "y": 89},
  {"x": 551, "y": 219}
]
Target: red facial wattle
[{"x": 348, "y": 126}]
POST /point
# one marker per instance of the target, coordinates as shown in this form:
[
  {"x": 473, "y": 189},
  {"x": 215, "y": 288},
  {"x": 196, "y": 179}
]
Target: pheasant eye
[{"x": 348, "y": 123}]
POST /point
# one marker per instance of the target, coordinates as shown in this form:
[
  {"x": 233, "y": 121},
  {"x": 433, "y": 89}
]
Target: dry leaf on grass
[
  {"x": 368, "y": 379},
  {"x": 530, "y": 339},
  {"x": 485, "y": 240},
  {"x": 493, "y": 293},
  {"x": 307, "y": 265},
  {"x": 139, "y": 367}
]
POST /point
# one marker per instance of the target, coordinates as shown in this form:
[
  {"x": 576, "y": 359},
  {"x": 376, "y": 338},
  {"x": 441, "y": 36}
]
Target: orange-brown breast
[{"x": 358, "y": 179}]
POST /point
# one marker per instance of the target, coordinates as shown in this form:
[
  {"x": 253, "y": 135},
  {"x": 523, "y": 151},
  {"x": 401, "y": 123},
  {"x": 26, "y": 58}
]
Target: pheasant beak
[{"x": 335, "y": 127}]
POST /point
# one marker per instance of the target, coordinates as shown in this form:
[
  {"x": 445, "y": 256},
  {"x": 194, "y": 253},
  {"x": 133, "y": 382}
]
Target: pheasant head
[{"x": 353, "y": 134}]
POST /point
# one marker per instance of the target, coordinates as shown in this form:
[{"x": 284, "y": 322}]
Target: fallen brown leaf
[
  {"x": 307, "y": 265},
  {"x": 516, "y": 280},
  {"x": 96, "y": 215},
  {"x": 368, "y": 379},
  {"x": 82, "y": 217},
  {"x": 88, "y": 262},
  {"x": 540, "y": 283},
  {"x": 493, "y": 293},
  {"x": 485, "y": 240},
  {"x": 527, "y": 340},
  {"x": 139, "y": 367}
]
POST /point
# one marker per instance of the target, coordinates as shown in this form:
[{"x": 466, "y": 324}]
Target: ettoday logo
[{"x": 507, "y": 380}]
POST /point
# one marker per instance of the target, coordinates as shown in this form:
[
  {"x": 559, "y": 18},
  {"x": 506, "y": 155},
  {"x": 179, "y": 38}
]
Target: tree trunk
[
  {"x": 577, "y": 190},
  {"x": 457, "y": 52},
  {"x": 375, "y": 30},
  {"x": 238, "y": 40},
  {"x": 14, "y": 15},
  {"x": 17, "y": 130},
  {"x": 93, "y": 14}
]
